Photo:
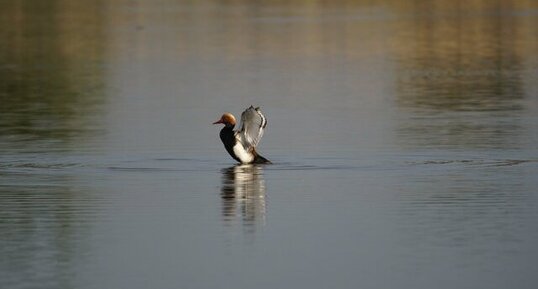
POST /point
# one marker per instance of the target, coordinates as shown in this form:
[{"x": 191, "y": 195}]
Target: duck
[{"x": 241, "y": 144}]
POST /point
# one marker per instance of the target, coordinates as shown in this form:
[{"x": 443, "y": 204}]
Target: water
[{"x": 404, "y": 141}]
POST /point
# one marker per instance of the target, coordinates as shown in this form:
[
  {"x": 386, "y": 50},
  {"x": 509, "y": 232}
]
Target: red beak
[{"x": 218, "y": 121}]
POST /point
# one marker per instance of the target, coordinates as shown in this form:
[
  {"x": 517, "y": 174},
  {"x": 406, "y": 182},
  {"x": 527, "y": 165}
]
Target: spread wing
[{"x": 253, "y": 123}]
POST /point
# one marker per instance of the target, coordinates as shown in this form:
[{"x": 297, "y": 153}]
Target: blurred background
[{"x": 404, "y": 136}]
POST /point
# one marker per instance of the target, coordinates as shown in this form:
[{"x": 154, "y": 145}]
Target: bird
[{"x": 241, "y": 144}]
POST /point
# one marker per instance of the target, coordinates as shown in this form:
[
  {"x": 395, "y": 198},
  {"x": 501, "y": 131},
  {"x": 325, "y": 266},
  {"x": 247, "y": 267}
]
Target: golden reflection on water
[
  {"x": 243, "y": 194},
  {"x": 461, "y": 74},
  {"x": 50, "y": 71},
  {"x": 61, "y": 59},
  {"x": 456, "y": 59}
]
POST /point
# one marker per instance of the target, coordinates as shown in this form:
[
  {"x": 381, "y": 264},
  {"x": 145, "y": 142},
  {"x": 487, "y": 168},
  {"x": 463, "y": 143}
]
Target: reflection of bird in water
[{"x": 243, "y": 194}]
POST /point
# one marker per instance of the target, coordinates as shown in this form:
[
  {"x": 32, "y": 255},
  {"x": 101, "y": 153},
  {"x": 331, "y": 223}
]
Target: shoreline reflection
[{"x": 243, "y": 195}]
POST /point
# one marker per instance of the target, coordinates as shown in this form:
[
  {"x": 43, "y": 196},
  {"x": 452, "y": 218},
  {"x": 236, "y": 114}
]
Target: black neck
[{"x": 227, "y": 136}]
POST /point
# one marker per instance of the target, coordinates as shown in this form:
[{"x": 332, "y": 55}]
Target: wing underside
[{"x": 253, "y": 124}]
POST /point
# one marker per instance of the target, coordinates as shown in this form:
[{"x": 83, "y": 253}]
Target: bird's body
[{"x": 241, "y": 144}]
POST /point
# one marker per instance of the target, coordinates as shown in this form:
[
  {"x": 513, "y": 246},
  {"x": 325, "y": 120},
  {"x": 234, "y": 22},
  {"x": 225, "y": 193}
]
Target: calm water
[{"x": 404, "y": 139}]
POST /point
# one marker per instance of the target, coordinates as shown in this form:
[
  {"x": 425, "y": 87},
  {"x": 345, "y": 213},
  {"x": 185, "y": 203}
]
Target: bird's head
[{"x": 227, "y": 119}]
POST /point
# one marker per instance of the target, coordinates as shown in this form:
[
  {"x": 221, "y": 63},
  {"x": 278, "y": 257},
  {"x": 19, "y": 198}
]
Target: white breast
[{"x": 242, "y": 154}]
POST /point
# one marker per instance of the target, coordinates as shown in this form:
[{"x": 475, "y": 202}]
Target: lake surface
[{"x": 404, "y": 136}]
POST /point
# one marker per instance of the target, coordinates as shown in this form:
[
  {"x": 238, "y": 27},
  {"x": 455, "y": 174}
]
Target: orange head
[{"x": 227, "y": 119}]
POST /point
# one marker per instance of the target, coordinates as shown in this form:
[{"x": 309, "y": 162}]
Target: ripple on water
[{"x": 476, "y": 162}]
